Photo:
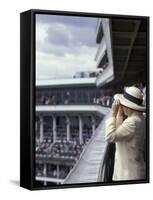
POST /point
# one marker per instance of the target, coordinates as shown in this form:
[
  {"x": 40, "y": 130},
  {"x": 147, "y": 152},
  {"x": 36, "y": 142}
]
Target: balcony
[
  {"x": 106, "y": 76},
  {"x": 100, "y": 52},
  {"x": 105, "y": 50}
]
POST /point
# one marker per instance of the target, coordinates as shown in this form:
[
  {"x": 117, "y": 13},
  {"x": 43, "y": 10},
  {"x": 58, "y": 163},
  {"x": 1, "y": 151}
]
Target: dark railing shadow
[{"x": 107, "y": 165}]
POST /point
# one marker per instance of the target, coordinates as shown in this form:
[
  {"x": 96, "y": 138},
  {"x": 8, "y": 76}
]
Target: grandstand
[
  {"x": 65, "y": 126},
  {"x": 71, "y": 113}
]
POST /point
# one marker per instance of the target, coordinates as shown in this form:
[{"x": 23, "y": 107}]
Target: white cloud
[
  {"x": 62, "y": 49},
  {"x": 41, "y": 32}
]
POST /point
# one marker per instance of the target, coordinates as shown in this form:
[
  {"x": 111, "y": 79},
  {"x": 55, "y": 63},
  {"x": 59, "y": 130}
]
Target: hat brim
[{"x": 129, "y": 104}]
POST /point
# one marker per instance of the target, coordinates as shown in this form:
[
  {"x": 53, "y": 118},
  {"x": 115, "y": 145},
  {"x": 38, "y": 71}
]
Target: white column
[
  {"x": 58, "y": 171},
  {"x": 54, "y": 129},
  {"x": 68, "y": 128},
  {"x": 93, "y": 125},
  {"x": 36, "y": 126},
  {"x": 80, "y": 130},
  {"x": 41, "y": 129},
  {"x": 45, "y": 173}
]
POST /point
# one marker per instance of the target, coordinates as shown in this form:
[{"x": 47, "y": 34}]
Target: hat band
[{"x": 133, "y": 99}]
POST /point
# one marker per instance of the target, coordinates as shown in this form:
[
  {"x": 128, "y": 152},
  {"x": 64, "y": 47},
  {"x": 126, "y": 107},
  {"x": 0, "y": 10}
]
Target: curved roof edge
[
  {"x": 72, "y": 108},
  {"x": 70, "y": 81}
]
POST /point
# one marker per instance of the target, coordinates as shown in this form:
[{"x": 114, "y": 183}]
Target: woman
[{"x": 128, "y": 135}]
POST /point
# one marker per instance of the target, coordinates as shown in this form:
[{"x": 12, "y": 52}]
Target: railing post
[
  {"x": 80, "y": 130},
  {"x": 54, "y": 129},
  {"x": 41, "y": 128},
  {"x": 68, "y": 128},
  {"x": 93, "y": 125}
]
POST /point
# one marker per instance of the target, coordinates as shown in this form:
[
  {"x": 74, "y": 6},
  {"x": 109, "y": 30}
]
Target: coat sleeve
[
  {"x": 119, "y": 121},
  {"x": 122, "y": 132}
]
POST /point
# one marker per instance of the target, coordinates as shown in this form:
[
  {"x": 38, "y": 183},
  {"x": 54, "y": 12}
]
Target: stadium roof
[
  {"x": 129, "y": 41},
  {"x": 66, "y": 82},
  {"x": 129, "y": 38}
]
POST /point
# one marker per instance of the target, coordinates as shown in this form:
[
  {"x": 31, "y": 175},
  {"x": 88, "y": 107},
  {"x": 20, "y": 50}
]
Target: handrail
[
  {"x": 81, "y": 157},
  {"x": 77, "y": 163},
  {"x": 71, "y": 108},
  {"x": 48, "y": 179}
]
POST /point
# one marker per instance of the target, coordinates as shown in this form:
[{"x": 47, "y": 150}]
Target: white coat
[{"x": 129, "y": 137}]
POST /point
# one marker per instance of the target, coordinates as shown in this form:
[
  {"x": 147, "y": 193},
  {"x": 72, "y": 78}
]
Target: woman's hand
[
  {"x": 115, "y": 107},
  {"x": 120, "y": 111}
]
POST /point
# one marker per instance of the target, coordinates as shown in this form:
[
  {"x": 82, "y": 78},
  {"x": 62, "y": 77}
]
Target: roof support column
[
  {"x": 68, "y": 127},
  {"x": 80, "y": 130},
  {"x": 58, "y": 171},
  {"x": 45, "y": 173},
  {"x": 93, "y": 124},
  {"x": 54, "y": 129},
  {"x": 41, "y": 129},
  {"x": 137, "y": 25}
]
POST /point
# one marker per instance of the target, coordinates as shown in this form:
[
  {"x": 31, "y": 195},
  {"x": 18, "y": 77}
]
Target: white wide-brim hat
[{"x": 132, "y": 98}]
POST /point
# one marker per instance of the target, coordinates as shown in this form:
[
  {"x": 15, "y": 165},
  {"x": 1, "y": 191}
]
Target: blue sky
[{"x": 64, "y": 45}]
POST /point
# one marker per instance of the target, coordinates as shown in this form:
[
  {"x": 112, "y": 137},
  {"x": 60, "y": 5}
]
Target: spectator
[
  {"x": 128, "y": 135},
  {"x": 54, "y": 173},
  {"x": 103, "y": 100},
  {"x": 139, "y": 85},
  {"x": 94, "y": 100},
  {"x": 42, "y": 100},
  {"x": 47, "y": 100},
  {"x": 144, "y": 96},
  {"x": 53, "y": 100},
  {"x": 97, "y": 100},
  {"x": 67, "y": 97}
]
